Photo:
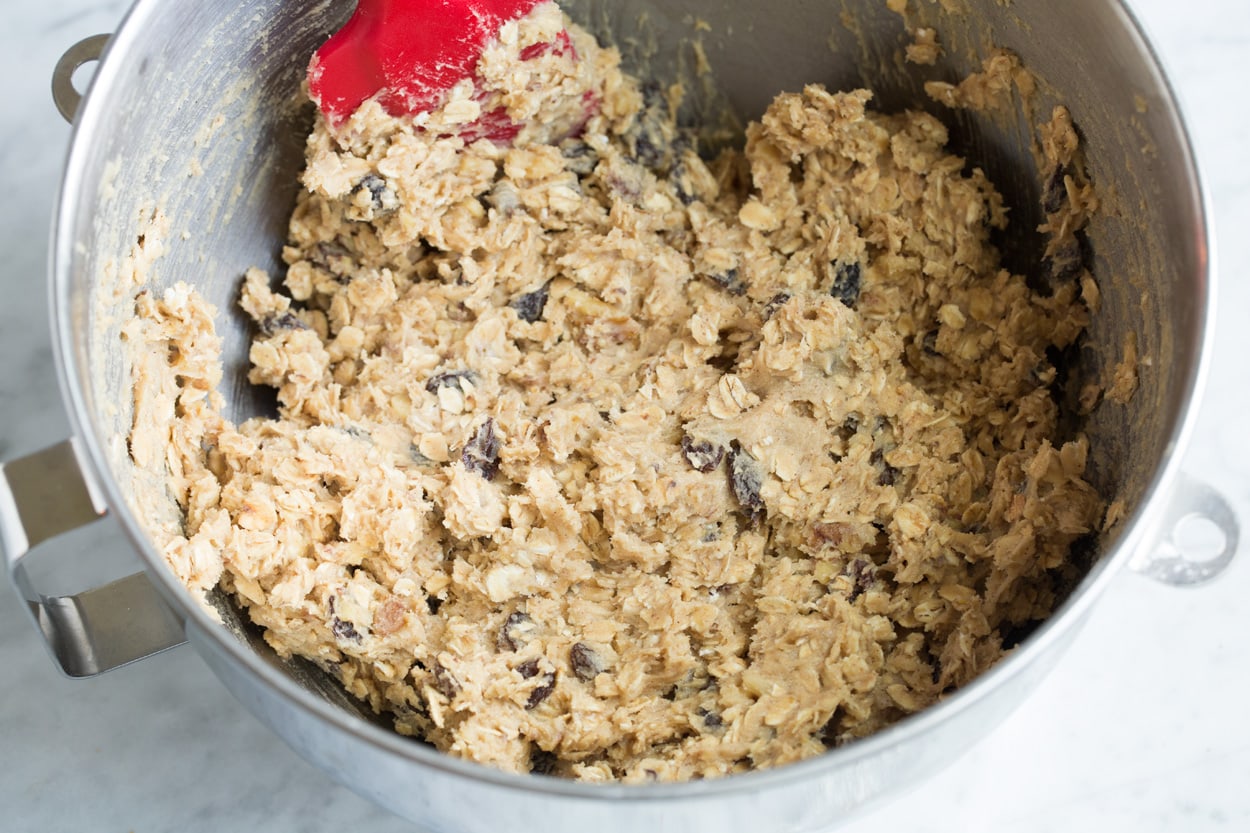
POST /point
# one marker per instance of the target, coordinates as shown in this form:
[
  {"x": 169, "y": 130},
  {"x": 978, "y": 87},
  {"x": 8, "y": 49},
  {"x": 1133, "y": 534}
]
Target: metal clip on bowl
[
  {"x": 64, "y": 95},
  {"x": 42, "y": 496}
]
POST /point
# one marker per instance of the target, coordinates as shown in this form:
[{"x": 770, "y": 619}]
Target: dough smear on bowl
[{"x": 601, "y": 459}]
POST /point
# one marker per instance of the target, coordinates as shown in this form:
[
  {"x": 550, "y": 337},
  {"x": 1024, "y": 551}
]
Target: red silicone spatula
[{"x": 411, "y": 53}]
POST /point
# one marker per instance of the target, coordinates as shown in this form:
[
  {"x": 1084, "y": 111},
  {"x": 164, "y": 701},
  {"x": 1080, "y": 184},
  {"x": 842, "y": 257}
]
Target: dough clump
[{"x": 601, "y": 459}]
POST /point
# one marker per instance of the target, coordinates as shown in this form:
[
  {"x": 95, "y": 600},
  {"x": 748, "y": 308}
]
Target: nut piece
[
  {"x": 755, "y": 215},
  {"x": 730, "y": 397}
]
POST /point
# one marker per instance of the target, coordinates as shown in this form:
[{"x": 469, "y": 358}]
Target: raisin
[
  {"x": 543, "y": 691},
  {"x": 679, "y": 173},
  {"x": 340, "y": 628},
  {"x": 648, "y": 138},
  {"x": 333, "y": 258},
  {"x": 928, "y": 343},
  {"x": 433, "y": 603},
  {"x": 1066, "y": 263},
  {"x": 648, "y": 146},
  {"x": 700, "y": 454},
  {"x": 516, "y": 632},
  {"x": 543, "y": 762},
  {"x": 746, "y": 481},
  {"x": 730, "y": 281},
  {"x": 481, "y": 452},
  {"x": 1055, "y": 192},
  {"x": 528, "y": 669},
  {"x": 579, "y": 157},
  {"x": 344, "y": 630},
  {"x": 711, "y": 719},
  {"x": 863, "y": 574},
  {"x": 888, "y": 474},
  {"x": 450, "y": 378},
  {"x": 846, "y": 282},
  {"x": 586, "y": 664},
  {"x": 529, "y": 307},
  {"x": 380, "y": 194},
  {"x": 683, "y": 185},
  {"x": 775, "y": 303},
  {"x": 281, "y": 321},
  {"x": 446, "y": 684},
  {"x": 375, "y": 184}
]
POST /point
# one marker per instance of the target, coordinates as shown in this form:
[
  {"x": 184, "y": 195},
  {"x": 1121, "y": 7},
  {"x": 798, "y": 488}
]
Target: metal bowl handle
[
  {"x": 1177, "y": 559},
  {"x": 42, "y": 496},
  {"x": 85, "y": 51}
]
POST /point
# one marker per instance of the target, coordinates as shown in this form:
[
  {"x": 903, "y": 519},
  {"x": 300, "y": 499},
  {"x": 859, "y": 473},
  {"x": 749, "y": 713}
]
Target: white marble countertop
[{"x": 1142, "y": 726}]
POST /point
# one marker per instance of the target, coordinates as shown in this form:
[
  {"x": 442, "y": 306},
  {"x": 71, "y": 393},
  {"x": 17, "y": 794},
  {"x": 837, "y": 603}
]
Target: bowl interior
[{"x": 203, "y": 191}]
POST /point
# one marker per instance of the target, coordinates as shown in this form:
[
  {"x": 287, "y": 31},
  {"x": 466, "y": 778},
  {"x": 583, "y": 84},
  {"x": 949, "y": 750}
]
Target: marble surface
[{"x": 1142, "y": 726}]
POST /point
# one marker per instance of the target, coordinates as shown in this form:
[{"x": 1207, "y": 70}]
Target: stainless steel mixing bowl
[{"x": 193, "y": 109}]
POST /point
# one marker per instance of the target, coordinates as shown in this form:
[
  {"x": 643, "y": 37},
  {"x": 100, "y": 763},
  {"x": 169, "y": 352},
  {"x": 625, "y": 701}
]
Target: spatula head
[{"x": 408, "y": 52}]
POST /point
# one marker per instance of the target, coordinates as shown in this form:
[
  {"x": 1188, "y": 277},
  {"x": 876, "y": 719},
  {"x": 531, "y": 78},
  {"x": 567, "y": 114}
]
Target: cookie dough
[{"x": 600, "y": 459}]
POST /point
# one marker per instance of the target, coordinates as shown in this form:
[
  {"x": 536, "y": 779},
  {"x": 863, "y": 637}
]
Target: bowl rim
[{"x": 73, "y": 198}]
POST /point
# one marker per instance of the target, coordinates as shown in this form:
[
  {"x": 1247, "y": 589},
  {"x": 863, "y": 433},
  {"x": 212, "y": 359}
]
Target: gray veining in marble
[{"x": 1143, "y": 726}]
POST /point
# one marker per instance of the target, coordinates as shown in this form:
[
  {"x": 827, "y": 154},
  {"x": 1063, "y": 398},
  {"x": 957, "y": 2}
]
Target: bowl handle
[
  {"x": 65, "y": 96},
  {"x": 42, "y": 496},
  {"x": 1197, "y": 538}
]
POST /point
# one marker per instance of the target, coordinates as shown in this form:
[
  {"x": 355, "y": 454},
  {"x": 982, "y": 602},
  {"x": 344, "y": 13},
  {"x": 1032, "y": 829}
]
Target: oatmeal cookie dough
[{"x": 600, "y": 459}]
